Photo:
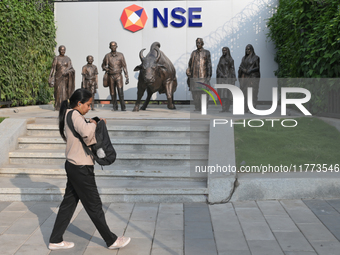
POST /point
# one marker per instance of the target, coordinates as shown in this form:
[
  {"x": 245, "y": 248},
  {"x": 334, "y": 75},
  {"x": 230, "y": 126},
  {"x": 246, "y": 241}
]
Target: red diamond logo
[{"x": 133, "y": 18}]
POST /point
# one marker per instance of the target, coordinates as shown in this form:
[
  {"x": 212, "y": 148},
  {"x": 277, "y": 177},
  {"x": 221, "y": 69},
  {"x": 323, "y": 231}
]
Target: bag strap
[{"x": 76, "y": 134}]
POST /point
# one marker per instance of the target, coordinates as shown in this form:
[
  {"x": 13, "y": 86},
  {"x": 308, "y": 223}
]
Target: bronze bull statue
[{"x": 156, "y": 73}]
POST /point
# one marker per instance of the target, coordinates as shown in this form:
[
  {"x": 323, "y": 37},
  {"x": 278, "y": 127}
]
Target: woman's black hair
[{"x": 80, "y": 95}]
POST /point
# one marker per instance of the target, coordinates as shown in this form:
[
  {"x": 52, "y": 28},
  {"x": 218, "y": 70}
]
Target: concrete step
[
  {"x": 122, "y": 130},
  {"x": 46, "y": 132},
  {"x": 159, "y": 158},
  {"x": 119, "y": 140},
  {"x": 121, "y": 143},
  {"x": 25, "y": 188},
  {"x": 153, "y": 163},
  {"x": 113, "y": 170}
]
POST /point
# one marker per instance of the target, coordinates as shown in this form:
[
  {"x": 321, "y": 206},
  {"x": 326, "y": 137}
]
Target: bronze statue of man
[
  {"x": 113, "y": 64},
  {"x": 225, "y": 74},
  {"x": 62, "y": 77},
  {"x": 199, "y": 70},
  {"x": 249, "y": 75},
  {"x": 90, "y": 78}
]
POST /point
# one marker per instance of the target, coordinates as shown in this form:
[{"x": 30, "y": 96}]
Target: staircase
[{"x": 153, "y": 163}]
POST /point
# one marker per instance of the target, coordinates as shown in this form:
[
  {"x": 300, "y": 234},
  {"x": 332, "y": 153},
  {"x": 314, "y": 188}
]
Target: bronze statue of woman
[
  {"x": 62, "y": 77},
  {"x": 225, "y": 74},
  {"x": 249, "y": 75}
]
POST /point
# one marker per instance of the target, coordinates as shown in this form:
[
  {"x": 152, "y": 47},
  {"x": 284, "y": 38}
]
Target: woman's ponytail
[{"x": 62, "y": 112}]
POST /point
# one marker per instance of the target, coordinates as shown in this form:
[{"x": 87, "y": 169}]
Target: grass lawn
[
  {"x": 1, "y": 119},
  {"x": 312, "y": 141}
]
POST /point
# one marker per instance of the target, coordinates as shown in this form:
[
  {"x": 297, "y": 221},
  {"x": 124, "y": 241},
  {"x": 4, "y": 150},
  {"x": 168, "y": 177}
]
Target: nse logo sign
[{"x": 134, "y": 17}]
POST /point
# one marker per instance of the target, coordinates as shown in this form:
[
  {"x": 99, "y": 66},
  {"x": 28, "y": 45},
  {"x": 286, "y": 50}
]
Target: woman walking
[{"x": 81, "y": 182}]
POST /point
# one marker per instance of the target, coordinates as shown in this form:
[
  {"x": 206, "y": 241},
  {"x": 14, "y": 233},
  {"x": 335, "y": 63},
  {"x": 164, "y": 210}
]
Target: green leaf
[{"x": 27, "y": 49}]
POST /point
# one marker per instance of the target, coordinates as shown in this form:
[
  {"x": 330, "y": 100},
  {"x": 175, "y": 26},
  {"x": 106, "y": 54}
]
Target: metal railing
[{"x": 333, "y": 107}]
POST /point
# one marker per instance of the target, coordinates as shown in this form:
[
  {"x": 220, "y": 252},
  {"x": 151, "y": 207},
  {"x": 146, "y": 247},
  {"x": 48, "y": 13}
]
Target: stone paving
[{"x": 286, "y": 227}]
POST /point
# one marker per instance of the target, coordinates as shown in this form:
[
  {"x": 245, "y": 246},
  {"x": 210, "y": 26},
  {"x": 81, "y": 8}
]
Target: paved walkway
[{"x": 286, "y": 227}]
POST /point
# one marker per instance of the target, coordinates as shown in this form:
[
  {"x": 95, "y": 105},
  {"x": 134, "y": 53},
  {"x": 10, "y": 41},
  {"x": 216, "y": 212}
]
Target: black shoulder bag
[{"x": 102, "y": 152}]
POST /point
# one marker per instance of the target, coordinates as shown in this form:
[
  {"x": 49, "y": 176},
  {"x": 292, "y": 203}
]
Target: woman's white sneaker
[
  {"x": 121, "y": 242},
  {"x": 62, "y": 245}
]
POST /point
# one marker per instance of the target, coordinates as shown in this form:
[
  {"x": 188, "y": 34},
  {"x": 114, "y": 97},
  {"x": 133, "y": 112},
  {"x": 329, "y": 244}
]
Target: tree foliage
[
  {"x": 307, "y": 39},
  {"x": 27, "y": 38}
]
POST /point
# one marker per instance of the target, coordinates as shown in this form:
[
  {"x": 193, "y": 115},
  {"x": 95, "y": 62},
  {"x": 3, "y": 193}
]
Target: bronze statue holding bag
[
  {"x": 199, "y": 70},
  {"x": 113, "y": 64}
]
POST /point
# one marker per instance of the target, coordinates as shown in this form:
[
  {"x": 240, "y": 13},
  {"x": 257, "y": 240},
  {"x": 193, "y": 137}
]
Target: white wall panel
[{"x": 86, "y": 28}]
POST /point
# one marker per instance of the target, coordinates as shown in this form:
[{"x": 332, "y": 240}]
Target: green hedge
[
  {"x": 307, "y": 39},
  {"x": 27, "y": 38}
]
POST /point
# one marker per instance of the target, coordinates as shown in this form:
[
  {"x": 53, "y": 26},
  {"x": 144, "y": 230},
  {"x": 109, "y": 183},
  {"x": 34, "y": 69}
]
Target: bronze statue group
[{"x": 157, "y": 74}]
